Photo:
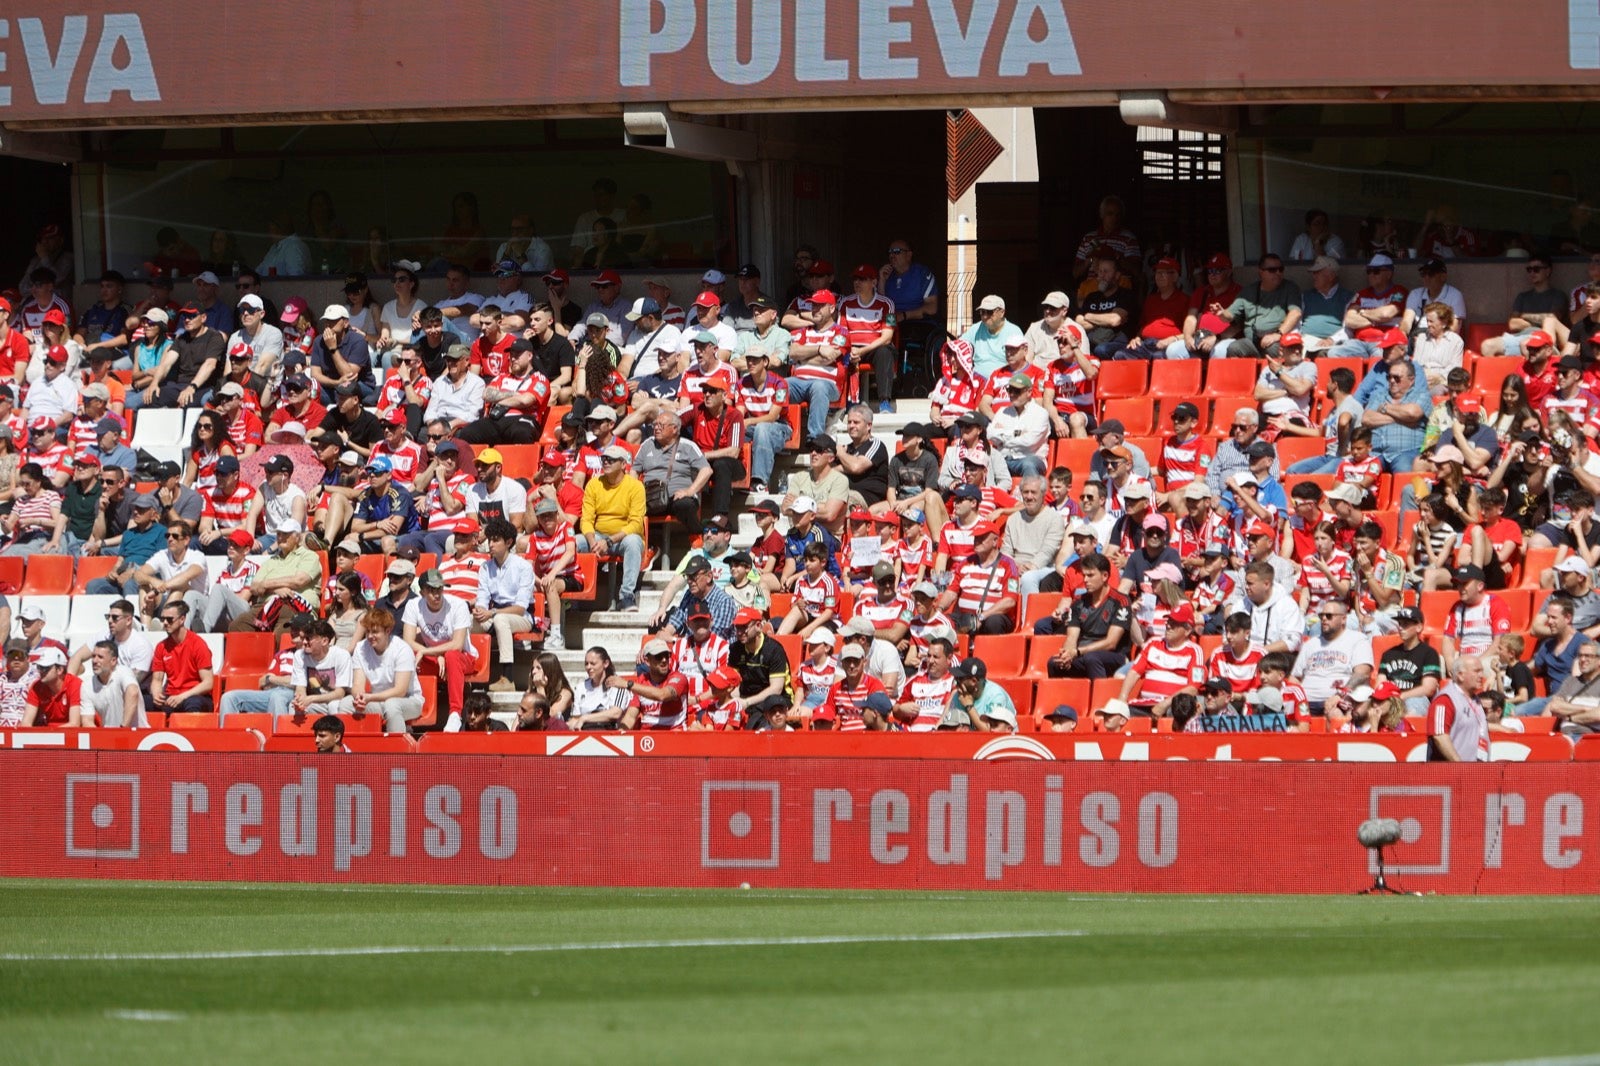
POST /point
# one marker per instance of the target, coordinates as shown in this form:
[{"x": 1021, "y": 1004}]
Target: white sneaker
[
  {"x": 454, "y": 724},
  {"x": 554, "y": 641}
]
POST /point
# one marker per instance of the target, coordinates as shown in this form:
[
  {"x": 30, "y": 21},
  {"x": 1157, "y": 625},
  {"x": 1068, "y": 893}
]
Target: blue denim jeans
[{"x": 818, "y": 396}]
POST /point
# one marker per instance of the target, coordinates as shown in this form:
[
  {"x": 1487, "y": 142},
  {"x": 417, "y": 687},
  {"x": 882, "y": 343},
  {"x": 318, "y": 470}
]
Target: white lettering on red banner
[
  {"x": 1036, "y": 36},
  {"x": 120, "y": 62}
]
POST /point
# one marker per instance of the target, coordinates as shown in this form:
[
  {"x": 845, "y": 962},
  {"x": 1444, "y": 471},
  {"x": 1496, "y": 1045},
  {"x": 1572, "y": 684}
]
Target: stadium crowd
[{"x": 1163, "y": 503}]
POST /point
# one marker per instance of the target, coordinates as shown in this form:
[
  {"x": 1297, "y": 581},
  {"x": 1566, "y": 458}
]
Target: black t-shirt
[
  {"x": 1095, "y": 622},
  {"x": 193, "y": 353},
  {"x": 757, "y": 670},
  {"x": 554, "y": 354},
  {"x": 874, "y": 484},
  {"x": 1407, "y": 667},
  {"x": 571, "y": 315},
  {"x": 926, "y": 465},
  {"x": 364, "y": 429},
  {"x": 1100, "y": 303},
  {"x": 1140, "y": 564}
]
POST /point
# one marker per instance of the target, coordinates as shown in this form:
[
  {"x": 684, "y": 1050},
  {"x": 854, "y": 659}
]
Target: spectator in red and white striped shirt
[
  {"x": 464, "y": 563},
  {"x": 1166, "y": 667},
  {"x": 985, "y": 590},
  {"x": 922, "y": 702},
  {"x": 226, "y": 504},
  {"x": 35, "y": 523},
  {"x": 555, "y": 570}
]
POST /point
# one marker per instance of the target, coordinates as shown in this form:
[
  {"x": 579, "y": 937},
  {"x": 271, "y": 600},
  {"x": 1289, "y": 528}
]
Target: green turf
[{"x": 1149, "y": 979}]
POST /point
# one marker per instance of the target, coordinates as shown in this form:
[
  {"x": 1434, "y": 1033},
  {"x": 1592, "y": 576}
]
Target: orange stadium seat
[
  {"x": 1074, "y": 453},
  {"x": 1478, "y": 332},
  {"x": 48, "y": 575},
  {"x": 1003, "y": 656},
  {"x": 1232, "y": 377},
  {"x": 1041, "y": 650},
  {"x": 1050, "y": 692},
  {"x": 1121, "y": 379},
  {"x": 1020, "y": 689},
  {"x": 1040, "y": 605},
  {"x": 1292, "y": 450},
  {"x": 11, "y": 571},
  {"x": 1223, "y": 408},
  {"x": 1489, "y": 374},
  {"x": 1136, "y": 413},
  {"x": 1172, "y": 381},
  {"x": 91, "y": 567}
]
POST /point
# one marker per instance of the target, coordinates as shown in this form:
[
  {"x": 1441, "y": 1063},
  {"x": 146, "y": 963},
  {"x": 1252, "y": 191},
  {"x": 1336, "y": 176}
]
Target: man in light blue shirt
[
  {"x": 986, "y": 706},
  {"x": 988, "y": 337},
  {"x": 505, "y": 589}
]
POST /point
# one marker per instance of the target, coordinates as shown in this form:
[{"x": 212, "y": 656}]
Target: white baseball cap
[{"x": 334, "y": 312}]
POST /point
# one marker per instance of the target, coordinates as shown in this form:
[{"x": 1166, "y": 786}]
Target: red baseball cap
[
  {"x": 747, "y": 615},
  {"x": 1182, "y": 615},
  {"x": 397, "y": 415},
  {"x": 819, "y": 268},
  {"x": 1291, "y": 340},
  {"x": 724, "y": 677},
  {"x": 860, "y": 514},
  {"x": 1537, "y": 339},
  {"x": 983, "y": 529},
  {"x": 55, "y": 317},
  {"x": 1168, "y": 263},
  {"x": 5, "y": 305},
  {"x": 1393, "y": 337},
  {"x": 606, "y": 277},
  {"x": 557, "y": 276},
  {"x": 242, "y": 538},
  {"x": 823, "y": 296},
  {"x": 1385, "y": 690},
  {"x": 556, "y": 458},
  {"x": 1220, "y": 261},
  {"x": 40, "y": 424},
  {"x": 864, "y": 271},
  {"x": 1259, "y": 528},
  {"x": 1468, "y": 404},
  {"x": 707, "y": 299},
  {"x": 56, "y": 354}
]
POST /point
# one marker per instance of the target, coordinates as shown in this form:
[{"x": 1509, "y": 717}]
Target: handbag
[{"x": 658, "y": 494}]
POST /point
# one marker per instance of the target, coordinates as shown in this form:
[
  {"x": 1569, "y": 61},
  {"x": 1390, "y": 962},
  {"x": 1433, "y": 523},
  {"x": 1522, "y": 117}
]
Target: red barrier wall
[{"x": 815, "y": 822}]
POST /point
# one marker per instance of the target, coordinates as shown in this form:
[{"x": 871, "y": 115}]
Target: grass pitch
[{"x": 128, "y": 973}]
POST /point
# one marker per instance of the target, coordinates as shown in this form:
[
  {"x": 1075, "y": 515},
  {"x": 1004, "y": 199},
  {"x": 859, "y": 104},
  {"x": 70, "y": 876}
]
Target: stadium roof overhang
[{"x": 85, "y": 64}]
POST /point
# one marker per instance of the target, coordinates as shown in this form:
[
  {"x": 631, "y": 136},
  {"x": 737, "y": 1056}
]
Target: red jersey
[
  {"x": 954, "y": 397},
  {"x": 14, "y": 352},
  {"x": 1475, "y": 628},
  {"x": 1539, "y": 384},
  {"x": 994, "y": 500},
  {"x": 1073, "y": 384},
  {"x": 725, "y": 716},
  {"x": 883, "y": 613},
  {"x": 53, "y": 460},
  {"x": 670, "y": 713},
  {"x": 846, "y": 702},
  {"x": 756, "y": 400},
  {"x": 229, "y": 510},
  {"x": 461, "y": 574},
  {"x": 1183, "y": 461},
  {"x": 490, "y": 358},
  {"x": 863, "y": 322},
  {"x": 817, "y": 596},
  {"x": 1242, "y": 672},
  {"x": 921, "y": 627},
  {"x": 714, "y": 432},
  {"x": 955, "y": 542},
  {"x": 1208, "y": 305},
  {"x": 435, "y": 517},
  {"x": 1361, "y": 473},
  {"x": 931, "y": 698},
  {"x": 406, "y": 459},
  {"x": 979, "y": 586},
  {"x": 1161, "y": 317},
  {"x": 246, "y": 429},
  {"x": 55, "y": 709},
  {"x": 1318, "y": 586},
  {"x": 697, "y": 662},
  {"x": 998, "y": 387},
  {"x": 181, "y": 661},
  {"x": 914, "y": 560},
  {"x": 532, "y": 382},
  {"x": 392, "y": 393},
  {"x": 691, "y": 387},
  {"x": 833, "y": 336},
  {"x": 547, "y": 549},
  {"x": 311, "y": 417},
  {"x": 1164, "y": 670}
]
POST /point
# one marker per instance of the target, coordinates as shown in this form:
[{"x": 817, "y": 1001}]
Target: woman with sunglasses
[
  {"x": 363, "y": 316},
  {"x": 150, "y": 347},
  {"x": 397, "y": 319},
  {"x": 208, "y": 443}
]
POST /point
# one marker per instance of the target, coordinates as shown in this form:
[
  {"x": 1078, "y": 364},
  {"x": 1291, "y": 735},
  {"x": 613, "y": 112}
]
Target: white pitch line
[
  {"x": 527, "y": 949},
  {"x": 1571, "y": 1060},
  {"x": 146, "y": 1015}
]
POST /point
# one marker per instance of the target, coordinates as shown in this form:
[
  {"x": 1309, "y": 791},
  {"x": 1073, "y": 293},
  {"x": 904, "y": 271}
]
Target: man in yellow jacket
[{"x": 613, "y": 520}]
